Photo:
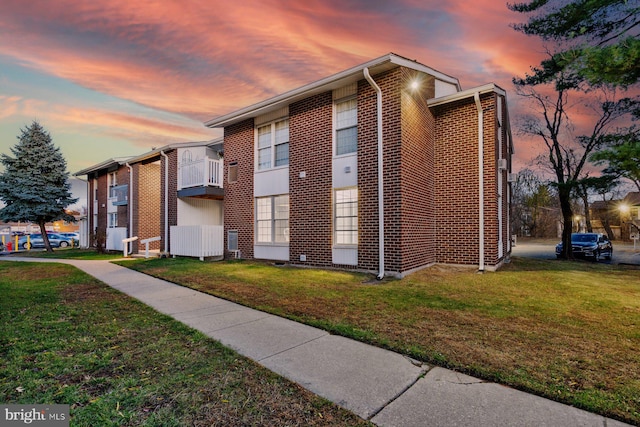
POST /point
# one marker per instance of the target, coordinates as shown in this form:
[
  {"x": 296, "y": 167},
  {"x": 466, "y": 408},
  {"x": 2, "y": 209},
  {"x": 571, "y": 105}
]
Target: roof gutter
[
  {"x": 476, "y": 98},
  {"x": 380, "y": 175}
]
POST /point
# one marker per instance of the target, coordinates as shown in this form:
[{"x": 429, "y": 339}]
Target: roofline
[
  {"x": 149, "y": 154},
  {"x": 155, "y": 152},
  {"x": 103, "y": 165},
  {"x": 324, "y": 85},
  {"x": 487, "y": 88}
]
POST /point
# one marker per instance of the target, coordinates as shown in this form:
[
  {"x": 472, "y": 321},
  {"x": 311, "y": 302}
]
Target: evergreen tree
[
  {"x": 34, "y": 185},
  {"x": 622, "y": 159},
  {"x": 599, "y": 38}
]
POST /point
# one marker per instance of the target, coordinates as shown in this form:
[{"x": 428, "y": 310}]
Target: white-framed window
[
  {"x": 345, "y": 216},
  {"x": 272, "y": 219},
  {"x": 112, "y": 220},
  {"x": 346, "y": 126},
  {"x": 272, "y": 145},
  {"x": 113, "y": 181}
]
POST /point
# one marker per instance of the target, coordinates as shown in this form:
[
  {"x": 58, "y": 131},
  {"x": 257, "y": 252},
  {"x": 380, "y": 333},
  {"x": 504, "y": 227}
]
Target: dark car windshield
[{"x": 584, "y": 238}]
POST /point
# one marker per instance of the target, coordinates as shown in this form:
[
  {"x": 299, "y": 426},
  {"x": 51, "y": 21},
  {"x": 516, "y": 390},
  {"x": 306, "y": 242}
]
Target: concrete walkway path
[{"x": 379, "y": 385}]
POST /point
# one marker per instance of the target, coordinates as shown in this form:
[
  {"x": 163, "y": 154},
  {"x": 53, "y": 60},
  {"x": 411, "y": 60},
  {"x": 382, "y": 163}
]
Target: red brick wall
[
  {"x": 505, "y": 153},
  {"x": 134, "y": 205},
  {"x": 456, "y": 175},
  {"x": 408, "y": 143},
  {"x": 149, "y": 213},
  {"x": 310, "y": 198},
  {"x": 368, "y": 247},
  {"x": 416, "y": 166},
  {"x": 238, "y": 203},
  {"x": 122, "y": 178},
  {"x": 430, "y": 173},
  {"x": 173, "y": 196},
  {"x": 103, "y": 193}
]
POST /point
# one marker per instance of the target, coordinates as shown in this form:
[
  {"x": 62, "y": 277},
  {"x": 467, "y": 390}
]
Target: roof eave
[
  {"x": 116, "y": 161},
  {"x": 489, "y": 87},
  {"x": 156, "y": 152},
  {"x": 329, "y": 83}
]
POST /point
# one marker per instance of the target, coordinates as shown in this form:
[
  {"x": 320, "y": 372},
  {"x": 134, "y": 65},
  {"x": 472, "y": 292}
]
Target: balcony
[
  {"x": 119, "y": 195},
  {"x": 200, "y": 178}
]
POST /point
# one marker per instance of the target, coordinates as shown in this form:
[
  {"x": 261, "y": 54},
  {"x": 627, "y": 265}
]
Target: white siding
[
  {"x": 271, "y": 182},
  {"x": 271, "y": 116},
  {"x": 444, "y": 89},
  {"x": 193, "y": 211},
  {"x": 345, "y": 171},
  {"x": 343, "y": 92},
  {"x": 344, "y": 256},
  {"x": 276, "y": 253}
]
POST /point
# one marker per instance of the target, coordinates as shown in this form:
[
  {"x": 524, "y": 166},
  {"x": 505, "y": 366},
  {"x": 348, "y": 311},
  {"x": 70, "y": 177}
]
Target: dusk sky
[{"x": 116, "y": 78}]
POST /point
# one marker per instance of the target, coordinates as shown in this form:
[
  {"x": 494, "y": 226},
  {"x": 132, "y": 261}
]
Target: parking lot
[{"x": 623, "y": 252}]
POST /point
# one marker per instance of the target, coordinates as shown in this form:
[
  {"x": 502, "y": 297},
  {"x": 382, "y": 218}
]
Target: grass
[
  {"x": 69, "y": 339},
  {"x": 569, "y": 331},
  {"x": 71, "y": 253}
]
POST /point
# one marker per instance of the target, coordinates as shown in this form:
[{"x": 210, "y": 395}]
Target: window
[
  {"x": 233, "y": 172},
  {"x": 346, "y": 217},
  {"x": 112, "y": 219},
  {"x": 113, "y": 179},
  {"x": 273, "y": 145},
  {"x": 346, "y": 124},
  {"x": 272, "y": 219}
]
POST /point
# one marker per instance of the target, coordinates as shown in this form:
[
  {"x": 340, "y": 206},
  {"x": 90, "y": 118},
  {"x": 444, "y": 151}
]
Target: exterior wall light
[{"x": 414, "y": 85}]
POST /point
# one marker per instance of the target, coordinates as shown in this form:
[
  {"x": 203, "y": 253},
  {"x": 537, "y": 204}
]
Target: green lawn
[
  {"x": 569, "y": 331},
  {"x": 69, "y": 339},
  {"x": 70, "y": 253}
]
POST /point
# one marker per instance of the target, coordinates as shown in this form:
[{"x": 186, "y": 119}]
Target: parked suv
[{"x": 589, "y": 245}]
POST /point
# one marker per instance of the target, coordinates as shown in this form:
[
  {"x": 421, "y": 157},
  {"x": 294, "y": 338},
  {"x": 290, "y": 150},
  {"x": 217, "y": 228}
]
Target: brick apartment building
[
  {"x": 145, "y": 196},
  {"x": 386, "y": 167}
]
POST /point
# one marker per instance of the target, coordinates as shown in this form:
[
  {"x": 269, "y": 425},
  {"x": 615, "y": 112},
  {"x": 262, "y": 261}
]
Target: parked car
[
  {"x": 71, "y": 235},
  {"x": 589, "y": 245},
  {"x": 36, "y": 241}
]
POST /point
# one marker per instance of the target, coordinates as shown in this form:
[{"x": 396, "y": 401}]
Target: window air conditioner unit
[
  {"x": 512, "y": 177},
  {"x": 502, "y": 164}
]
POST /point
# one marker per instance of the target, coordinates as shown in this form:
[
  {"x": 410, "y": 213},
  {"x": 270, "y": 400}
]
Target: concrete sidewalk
[{"x": 385, "y": 387}]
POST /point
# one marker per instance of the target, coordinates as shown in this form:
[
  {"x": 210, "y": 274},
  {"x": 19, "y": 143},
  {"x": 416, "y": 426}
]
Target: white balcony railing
[
  {"x": 200, "y": 173},
  {"x": 197, "y": 240}
]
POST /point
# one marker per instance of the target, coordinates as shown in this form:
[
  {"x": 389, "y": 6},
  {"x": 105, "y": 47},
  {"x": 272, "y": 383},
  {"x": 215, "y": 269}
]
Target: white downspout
[
  {"x": 476, "y": 97},
  {"x": 380, "y": 176},
  {"x": 130, "y": 207},
  {"x": 166, "y": 201}
]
